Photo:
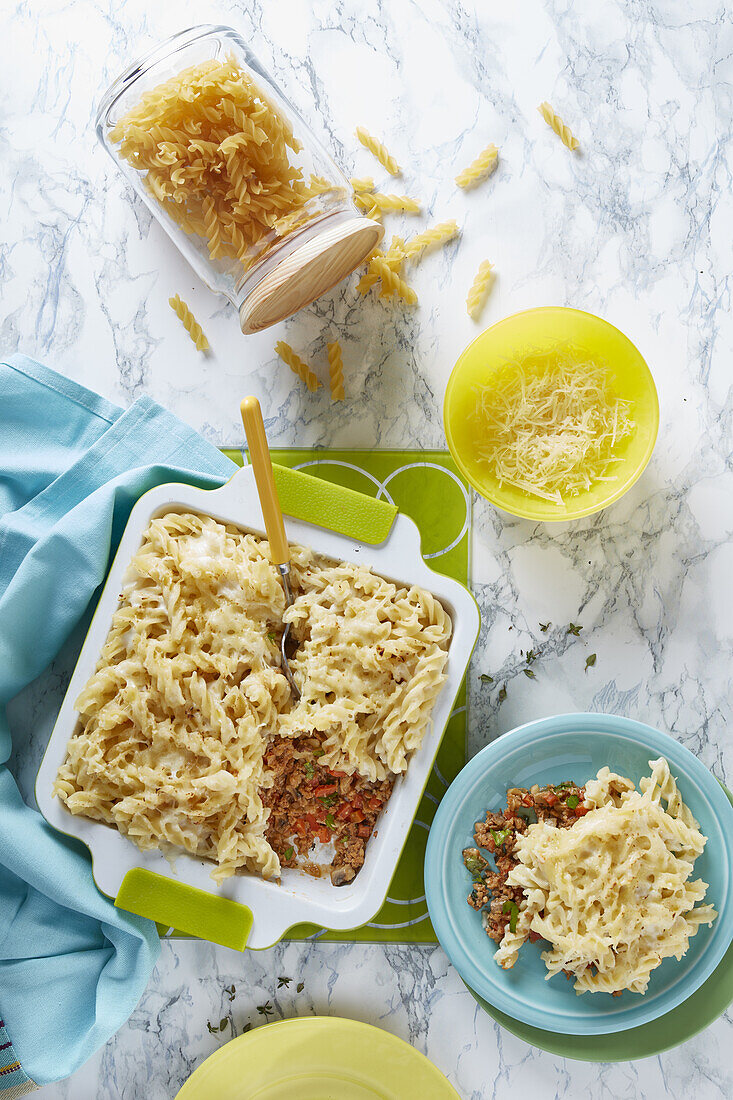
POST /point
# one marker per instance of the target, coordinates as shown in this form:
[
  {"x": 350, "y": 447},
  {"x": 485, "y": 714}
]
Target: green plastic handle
[
  {"x": 334, "y": 506},
  {"x": 185, "y": 908},
  {"x": 313, "y": 499}
]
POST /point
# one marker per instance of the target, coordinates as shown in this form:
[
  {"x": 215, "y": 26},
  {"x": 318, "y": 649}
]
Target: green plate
[
  {"x": 698, "y": 1012},
  {"x": 317, "y": 1058}
]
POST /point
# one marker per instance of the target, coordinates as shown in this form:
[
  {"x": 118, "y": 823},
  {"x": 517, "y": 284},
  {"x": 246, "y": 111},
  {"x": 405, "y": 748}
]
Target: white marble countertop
[{"x": 637, "y": 228}]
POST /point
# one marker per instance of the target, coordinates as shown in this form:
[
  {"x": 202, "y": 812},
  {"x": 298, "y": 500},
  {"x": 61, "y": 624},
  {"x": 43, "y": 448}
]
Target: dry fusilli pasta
[
  {"x": 378, "y": 150},
  {"x": 191, "y": 325},
  {"x": 362, "y": 183},
  {"x": 556, "y": 123},
  {"x": 393, "y": 204},
  {"x": 297, "y": 366},
  {"x": 479, "y": 289},
  {"x": 393, "y": 285},
  {"x": 429, "y": 238},
  {"x": 394, "y": 256},
  {"x": 218, "y": 156},
  {"x": 480, "y": 168},
  {"x": 336, "y": 371}
]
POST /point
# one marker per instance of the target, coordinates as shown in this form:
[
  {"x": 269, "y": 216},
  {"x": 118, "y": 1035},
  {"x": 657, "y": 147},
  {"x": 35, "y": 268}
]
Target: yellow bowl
[{"x": 537, "y": 330}]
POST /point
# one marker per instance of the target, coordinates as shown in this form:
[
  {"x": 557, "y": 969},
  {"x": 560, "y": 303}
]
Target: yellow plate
[
  {"x": 317, "y": 1058},
  {"x": 535, "y": 330}
]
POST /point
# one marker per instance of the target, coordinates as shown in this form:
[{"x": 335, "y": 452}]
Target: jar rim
[{"x": 152, "y": 57}]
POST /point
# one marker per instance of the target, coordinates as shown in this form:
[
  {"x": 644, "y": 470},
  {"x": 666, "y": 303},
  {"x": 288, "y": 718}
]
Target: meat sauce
[
  {"x": 310, "y": 803},
  {"x": 562, "y": 804}
]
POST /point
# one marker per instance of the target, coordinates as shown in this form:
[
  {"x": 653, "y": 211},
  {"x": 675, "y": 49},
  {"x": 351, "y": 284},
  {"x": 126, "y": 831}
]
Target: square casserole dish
[{"x": 247, "y": 910}]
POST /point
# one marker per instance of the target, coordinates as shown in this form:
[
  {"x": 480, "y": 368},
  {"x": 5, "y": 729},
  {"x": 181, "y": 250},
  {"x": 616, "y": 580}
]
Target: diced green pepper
[{"x": 511, "y": 908}]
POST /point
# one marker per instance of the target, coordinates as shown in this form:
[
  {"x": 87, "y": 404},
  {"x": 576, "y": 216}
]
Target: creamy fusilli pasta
[
  {"x": 612, "y": 894},
  {"x": 176, "y": 720}
]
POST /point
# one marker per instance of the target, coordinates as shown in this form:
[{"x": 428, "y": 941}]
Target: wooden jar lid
[{"x": 309, "y": 271}]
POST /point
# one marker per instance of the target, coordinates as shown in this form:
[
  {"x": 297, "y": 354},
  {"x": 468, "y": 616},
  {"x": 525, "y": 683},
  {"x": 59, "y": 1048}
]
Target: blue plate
[{"x": 573, "y": 746}]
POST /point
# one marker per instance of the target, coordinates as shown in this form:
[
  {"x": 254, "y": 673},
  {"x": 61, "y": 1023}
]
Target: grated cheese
[{"x": 549, "y": 424}]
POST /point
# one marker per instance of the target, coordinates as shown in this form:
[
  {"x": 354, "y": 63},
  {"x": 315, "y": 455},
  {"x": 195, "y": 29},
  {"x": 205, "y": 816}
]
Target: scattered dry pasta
[
  {"x": 479, "y": 289},
  {"x": 336, "y": 371},
  {"x": 191, "y": 325},
  {"x": 556, "y": 123},
  {"x": 394, "y": 257},
  {"x": 393, "y": 204},
  {"x": 175, "y": 722},
  {"x": 362, "y": 183},
  {"x": 480, "y": 168},
  {"x": 216, "y": 154},
  {"x": 378, "y": 150},
  {"x": 431, "y": 238},
  {"x": 297, "y": 366},
  {"x": 393, "y": 285}
]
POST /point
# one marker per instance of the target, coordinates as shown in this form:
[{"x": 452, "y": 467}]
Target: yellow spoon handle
[{"x": 259, "y": 455}]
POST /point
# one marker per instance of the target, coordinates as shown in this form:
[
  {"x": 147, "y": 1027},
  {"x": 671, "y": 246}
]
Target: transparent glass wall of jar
[{"x": 230, "y": 169}]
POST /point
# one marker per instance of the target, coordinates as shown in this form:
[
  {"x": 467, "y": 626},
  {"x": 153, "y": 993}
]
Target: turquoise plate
[{"x": 573, "y": 746}]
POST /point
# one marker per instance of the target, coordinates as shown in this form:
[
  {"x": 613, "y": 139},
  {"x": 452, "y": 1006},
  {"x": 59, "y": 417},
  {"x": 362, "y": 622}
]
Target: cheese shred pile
[{"x": 550, "y": 424}]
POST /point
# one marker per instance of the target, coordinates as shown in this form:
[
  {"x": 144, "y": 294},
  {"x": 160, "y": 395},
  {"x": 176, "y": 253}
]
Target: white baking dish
[{"x": 298, "y": 897}]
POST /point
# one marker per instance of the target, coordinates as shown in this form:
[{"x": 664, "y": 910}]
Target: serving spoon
[{"x": 259, "y": 456}]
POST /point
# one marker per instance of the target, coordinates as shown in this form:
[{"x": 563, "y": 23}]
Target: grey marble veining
[{"x": 637, "y": 227}]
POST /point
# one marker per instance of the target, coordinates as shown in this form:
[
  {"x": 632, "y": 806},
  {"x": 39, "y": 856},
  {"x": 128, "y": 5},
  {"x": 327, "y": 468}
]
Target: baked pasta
[
  {"x": 603, "y": 875},
  {"x": 187, "y": 727}
]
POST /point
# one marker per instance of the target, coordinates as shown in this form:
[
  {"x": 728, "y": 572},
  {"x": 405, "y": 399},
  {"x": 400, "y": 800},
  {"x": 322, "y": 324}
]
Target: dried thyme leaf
[
  {"x": 485, "y": 679},
  {"x": 544, "y": 627},
  {"x": 283, "y": 982},
  {"x": 502, "y": 695},
  {"x": 590, "y": 661},
  {"x": 528, "y": 672},
  {"x": 575, "y": 629},
  {"x": 300, "y": 987}
]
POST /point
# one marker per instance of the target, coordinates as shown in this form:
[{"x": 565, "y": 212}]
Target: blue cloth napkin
[{"x": 72, "y": 967}]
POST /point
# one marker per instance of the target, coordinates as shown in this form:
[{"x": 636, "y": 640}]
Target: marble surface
[{"x": 637, "y": 227}]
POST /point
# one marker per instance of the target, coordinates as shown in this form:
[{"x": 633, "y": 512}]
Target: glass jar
[{"x": 234, "y": 175}]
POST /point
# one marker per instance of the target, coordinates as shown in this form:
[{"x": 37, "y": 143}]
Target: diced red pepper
[
  {"x": 356, "y": 815},
  {"x": 527, "y": 800},
  {"x": 300, "y": 826},
  {"x": 357, "y": 802},
  {"x": 323, "y": 833},
  {"x": 551, "y": 799},
  {"x": 312, "y": 821},
  {"x": 374, "y": 803},
  {"x": 364, "y": 831},
  {"x": 325, "y": 789},
  {"x": 335, "y": 774},
  {"x": 534, "y": 936},
  {"x": 581, "y": 810},
  {"x": 343, "y": 812}
]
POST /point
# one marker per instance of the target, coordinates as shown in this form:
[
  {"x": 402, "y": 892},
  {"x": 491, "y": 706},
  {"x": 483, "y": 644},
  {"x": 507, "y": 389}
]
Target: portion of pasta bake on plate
[
  {"x": 602, "y": 873},
  {"x": 188, "y": 737}
]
